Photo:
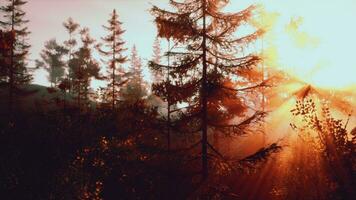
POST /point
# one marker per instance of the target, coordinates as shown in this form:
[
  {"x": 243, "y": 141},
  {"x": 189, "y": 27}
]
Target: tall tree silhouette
[
  {"x": 113, "y": 50},
  {"x": 13, "y": 20},
  {"x": 203, "y": 74},
  {"x": 84, "y": 68},
  {"x": 136, "y": 88},
  {"x": 71, "y": 27},
  {"x": 52, "y": 61}
]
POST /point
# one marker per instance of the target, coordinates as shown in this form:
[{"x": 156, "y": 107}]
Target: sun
[
  {"x": 294, "y": 44},
  {"x": 305, "y": 65}
]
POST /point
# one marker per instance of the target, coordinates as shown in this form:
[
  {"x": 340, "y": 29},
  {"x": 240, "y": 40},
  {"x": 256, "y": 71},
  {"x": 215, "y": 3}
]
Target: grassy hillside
[{"x": 35, "y": 98}]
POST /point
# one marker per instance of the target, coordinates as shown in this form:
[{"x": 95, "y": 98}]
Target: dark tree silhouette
[
  {"x": 13, "y": 20},
  {"x": 84, "y": 68},
  {"x": 113, "y": 50},
  {"x": 71, "y": 28},
  {"x": 203, "y": 74},
  {"x": 53, "y": 62}
]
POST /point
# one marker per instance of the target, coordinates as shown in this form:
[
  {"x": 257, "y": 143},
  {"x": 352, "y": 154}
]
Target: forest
[{"x": 207, "y": 116}]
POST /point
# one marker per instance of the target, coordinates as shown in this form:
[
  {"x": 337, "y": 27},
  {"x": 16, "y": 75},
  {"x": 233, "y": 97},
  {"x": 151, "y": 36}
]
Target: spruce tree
[
  {"x": 113, "y": 48},
  {"x": 162, "y": 78},
  {"x": 206, "y": 74},
  {"x": 13, "y": 21},
  {"x": 136, "y": 88},
  {"x": 136, "y": 65},
  {"x": 53, "y": 62},
  {"x": 156, "y": 58}
]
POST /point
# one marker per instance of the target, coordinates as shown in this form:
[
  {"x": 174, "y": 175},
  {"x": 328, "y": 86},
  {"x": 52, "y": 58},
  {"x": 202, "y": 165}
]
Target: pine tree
[
  {"x": 114, "y": 48},
  {"x": 71, "y": 27},
  {"x": 13, "y": 21},
  {"x": 52, "y": 61},
  {"x": 203, "y": 74},
  {"x": 136, "y": 88},
  {"x": 84, "y": 68}
]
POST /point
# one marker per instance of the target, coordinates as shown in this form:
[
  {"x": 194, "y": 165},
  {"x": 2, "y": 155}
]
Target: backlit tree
[
  {"x": 53, "y": 62},
  {"x": 206, "y": 74},
  {"x": 113, "y": 49},
  {"x": 156, "y": 58},
  {"x": 71, "y": 27},
  {"x": 84, "y": 68},
  {"x": 13, "y": 21},
  {"x": 136, "y": 88}
]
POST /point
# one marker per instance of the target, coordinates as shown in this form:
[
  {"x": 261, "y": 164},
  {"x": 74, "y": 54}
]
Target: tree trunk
[
  {"x": 113, "y": 70},
  {"x": 79, "y": 89},
  {"x": 11, "y": 75},
  {"x": 204, "y": 102},
  {"x": 113, "y": 86},
  {"x": 168, "y": 103}
]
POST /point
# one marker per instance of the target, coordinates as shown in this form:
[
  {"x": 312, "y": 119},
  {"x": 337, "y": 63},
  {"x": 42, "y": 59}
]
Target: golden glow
[{"x": 305, "y": 44}]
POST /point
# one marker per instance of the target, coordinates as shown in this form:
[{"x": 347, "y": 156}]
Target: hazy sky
[
  {"x": 46, "y": 17},
  {"x": 318, "y": 43}
]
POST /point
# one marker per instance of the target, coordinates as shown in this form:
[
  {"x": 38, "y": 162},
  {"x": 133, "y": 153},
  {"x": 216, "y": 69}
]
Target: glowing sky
[{"x": 314, "y": 39}]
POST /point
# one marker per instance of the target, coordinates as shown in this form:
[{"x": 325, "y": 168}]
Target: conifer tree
[
  {"x": 13, "y": 21},
  {"x": 156, "y": 58},
  {"x": 157, "y": 51},
  {"x": 203, "y": 74},
  {"x": 113, "y": 50},
  {"x": 84, "y": 68},
  {"x": 71, "y": 27},
  {"x": 136, "y": 65},
  {"x": 53, "y": 62},
  {"x": 163, "y": 72},
  {"x": 136, "y": 88}
]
